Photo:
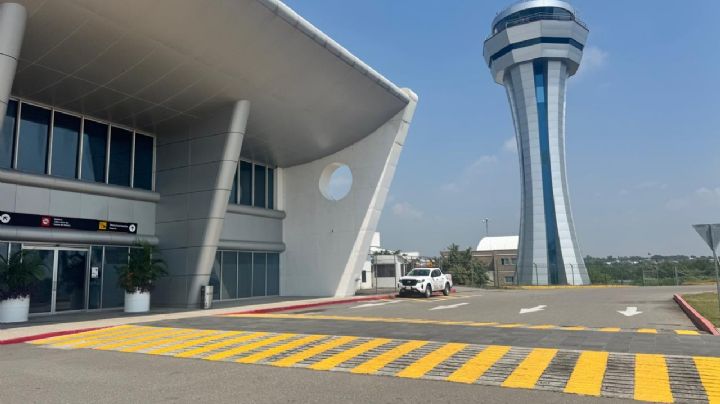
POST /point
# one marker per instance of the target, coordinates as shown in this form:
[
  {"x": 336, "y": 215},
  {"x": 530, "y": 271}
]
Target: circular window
[{"x": 336, "y": 181}]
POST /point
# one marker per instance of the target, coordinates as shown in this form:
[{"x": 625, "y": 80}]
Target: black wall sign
[{"x": 56, "y": 222}]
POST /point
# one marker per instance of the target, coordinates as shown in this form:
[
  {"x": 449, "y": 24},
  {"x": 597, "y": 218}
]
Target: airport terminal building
[{"x": 210, "y": 129}]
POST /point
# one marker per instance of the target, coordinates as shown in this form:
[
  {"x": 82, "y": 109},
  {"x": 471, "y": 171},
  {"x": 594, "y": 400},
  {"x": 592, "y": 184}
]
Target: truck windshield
[{"x": 419, "y": 272}]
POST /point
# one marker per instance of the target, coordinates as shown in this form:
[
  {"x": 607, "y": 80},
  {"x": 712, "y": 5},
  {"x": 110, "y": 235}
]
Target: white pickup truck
[{"x": 425, "y": 281}]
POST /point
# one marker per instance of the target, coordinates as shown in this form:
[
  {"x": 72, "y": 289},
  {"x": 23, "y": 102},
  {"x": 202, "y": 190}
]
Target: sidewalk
[{"x": 67, "y": 323}]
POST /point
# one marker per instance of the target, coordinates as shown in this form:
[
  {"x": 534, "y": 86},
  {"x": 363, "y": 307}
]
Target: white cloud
[
  {"x": 481, "y": 163},
  {"x": 593, "y": 59},
  {"x": 450, "y": 187},
  {"x": 510, "y": 145},
  {"x": 405, "y": 209}
]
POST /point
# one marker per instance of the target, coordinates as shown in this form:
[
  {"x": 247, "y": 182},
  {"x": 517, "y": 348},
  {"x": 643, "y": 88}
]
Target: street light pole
[
  {"x": 537, "y": 280},
  {"x": 487, "y": 231},
  {"x": 717, "y": 275}
]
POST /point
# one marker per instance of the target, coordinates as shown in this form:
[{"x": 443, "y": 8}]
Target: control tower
[{"x": 533, "y": 48}]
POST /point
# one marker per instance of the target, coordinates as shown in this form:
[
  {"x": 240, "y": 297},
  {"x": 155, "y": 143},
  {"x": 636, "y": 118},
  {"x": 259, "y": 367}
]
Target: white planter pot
[
  {"x": 138, "y": 302},
  {"x": 14, "y": 310}
]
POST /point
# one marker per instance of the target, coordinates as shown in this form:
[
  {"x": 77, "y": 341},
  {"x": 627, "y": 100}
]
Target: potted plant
[
  {"x": 138, "y": 276},
  {"x": 18, "y": 274}
]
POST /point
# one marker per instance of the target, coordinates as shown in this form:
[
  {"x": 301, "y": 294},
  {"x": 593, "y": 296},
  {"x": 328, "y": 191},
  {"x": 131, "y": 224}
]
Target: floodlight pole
[{"x": 717, "y": 273}]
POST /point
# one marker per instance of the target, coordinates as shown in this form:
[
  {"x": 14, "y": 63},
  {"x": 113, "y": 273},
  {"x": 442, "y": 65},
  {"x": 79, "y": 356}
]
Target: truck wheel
[
  {"x": 428, "y": 291},
  {"x": 446, "y": 291}
]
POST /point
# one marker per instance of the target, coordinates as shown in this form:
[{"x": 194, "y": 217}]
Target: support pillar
[{"x": 12, "y": 29}]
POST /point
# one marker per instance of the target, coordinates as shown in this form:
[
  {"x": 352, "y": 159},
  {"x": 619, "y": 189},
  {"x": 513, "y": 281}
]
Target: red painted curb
[
  {"x": 20, "y": 340},
  {"x": 308, "y": 305},
  {"x": 697, "y": 318}
]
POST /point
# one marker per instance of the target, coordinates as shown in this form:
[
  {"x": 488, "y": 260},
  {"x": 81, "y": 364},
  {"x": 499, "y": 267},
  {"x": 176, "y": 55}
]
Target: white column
[{"x": 12, "y": 29}]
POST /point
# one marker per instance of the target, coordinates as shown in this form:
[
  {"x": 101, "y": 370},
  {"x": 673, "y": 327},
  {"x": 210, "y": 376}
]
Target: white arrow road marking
[
  {"x": 630, "y": 311},
  {"x": 375, "y": 304},
  {"x": 533, "y": 309},
  {"x": 449, "y": 306}
]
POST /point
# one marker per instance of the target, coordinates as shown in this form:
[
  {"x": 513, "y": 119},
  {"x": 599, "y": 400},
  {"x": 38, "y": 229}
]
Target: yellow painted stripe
[
  {"x": 192, "y": 342},
  {"x": 248, "y": 347},
  {"x": 429, "y": 361},
  {"x": 163, "y": 341},
  {"x": 652, "y": 382},
  {"x": 514, "y": 325},
  {"x": 85, "y": 334},
  {"x": 280, "y": 349},
  {"x": 221, "y": 344},
  {"x": 542, "y": 327},
  {"x": 574, "y": 328},
  {"x": 647, "y": 330},
  {"x": 316, "y": 350},
  {"x": 136, "y": 332},
  {"x": 687, "y": 332},
  {"x": 377, "y": 363},
  {"x": 610, "y": 329},
  {"x": 331, "y": 362},
  {"x": 709, "y": 370},
  {"x": 110, "y": 334},
  {"x": 530, "y": 369},
  {"x": 477, "y": 366},
  {"x": 483, "y": 324},
  {"x": 158, "y": 335},
  {"x": 587, "y": 377}
]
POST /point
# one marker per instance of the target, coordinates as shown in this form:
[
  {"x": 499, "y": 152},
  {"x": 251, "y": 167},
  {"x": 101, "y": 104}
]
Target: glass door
[{"x": 63, "y": 283}]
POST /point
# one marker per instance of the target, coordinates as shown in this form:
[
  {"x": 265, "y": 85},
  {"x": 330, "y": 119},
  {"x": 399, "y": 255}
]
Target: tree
[{"x": 464, "y": 269}]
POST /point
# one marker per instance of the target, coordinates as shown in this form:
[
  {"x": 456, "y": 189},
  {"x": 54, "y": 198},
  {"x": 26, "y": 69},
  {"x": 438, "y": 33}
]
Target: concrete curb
[
  {"x": 697, "y": 318},
  {"x": 20, "y": 340},
  {"x": 315, "y": 304}
]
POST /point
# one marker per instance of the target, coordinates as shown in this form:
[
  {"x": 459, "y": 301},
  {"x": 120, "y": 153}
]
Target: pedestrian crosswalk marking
[
  {"x": 333, "y": 361},
  {"x": 587, "y": 377},
  {"x": 652, "y": 382},
  {"x": 377, "y": 363},
  {"x": 86, "y": 334},
  {"x": 475, "y": 367},
  {"x": 650, "y": 377},
  {"x": 429, "y": 361},
  {"x": 300, "y": 356},
  {"x": 249, "y": 347},
  {"x": 530, "y": 369},
  {"x": 280, "y": 349},
  {"x": 312, "y": 316}
]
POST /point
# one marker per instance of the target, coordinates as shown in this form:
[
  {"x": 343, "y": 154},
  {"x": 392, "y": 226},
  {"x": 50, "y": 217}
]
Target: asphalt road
[
  {"x": 651, "y": 355},
  {"x": 32, "y": 374}
]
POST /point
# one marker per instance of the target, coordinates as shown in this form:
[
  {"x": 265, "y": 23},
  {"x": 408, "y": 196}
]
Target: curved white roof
[{"x": 498, "y": 243}]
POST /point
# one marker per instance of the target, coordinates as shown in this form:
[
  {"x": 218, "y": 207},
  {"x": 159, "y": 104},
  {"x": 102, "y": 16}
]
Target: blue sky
[{"x": 643, "y": 122}]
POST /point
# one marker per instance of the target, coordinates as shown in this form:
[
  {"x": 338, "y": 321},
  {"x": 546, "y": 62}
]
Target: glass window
[
  {"x": 4, "y": 247},
  {"x": 7, "y": 137},
  {"x": 228, "y": 288},
  {"x": 120, "y": 156},
  {"x": 245, "y": 183},
  {"x": 94, "y": 151},
  {"x": 245, "y": 270},
  {"x": 233, "y": 191},
  {"x": 142, "y": 176},
  {"x": 215, "y": 276},
  {"x": 273, "y": 274},
  {"x": 33, "y": 139},
  {"x": 112, "y": 294},
  {"x": 66, "y": 138},
  {"x": 271, "y": 188},
  {"x": 258, "y": 274},
  {"x": 259, "y": 186},
  {"x": 95, "y": 281}
]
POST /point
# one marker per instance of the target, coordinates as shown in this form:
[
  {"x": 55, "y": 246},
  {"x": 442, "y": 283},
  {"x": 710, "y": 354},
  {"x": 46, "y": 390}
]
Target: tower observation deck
[{"x": 533, "y": 48}]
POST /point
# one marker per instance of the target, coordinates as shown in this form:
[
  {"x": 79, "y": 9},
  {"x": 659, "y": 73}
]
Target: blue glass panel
[
  {"x": 33, "y": 139},
  {"x": 259, "y": 186},
  {"x": 233, "y": 191},
  {"x": 120, "y": 156},
  {"x": 245, "y": 273},
  {"x": 215, "y": 276},
  {"x": 229, "y": 279},
  {"x": 271, "y": 189},
  {"x": 66, "y": 139},
  {"x": 245, "y": 183},
  {"x": 7, "y": 137},
  {"x": 551, "y": 233},
  {"x": 273, "y": 274},
  {"x": 142, "y": 176},
  {"x": 94, "y": 151},
  {"x": 112, "y": 294},
  {"x": 259, "y": 260}
]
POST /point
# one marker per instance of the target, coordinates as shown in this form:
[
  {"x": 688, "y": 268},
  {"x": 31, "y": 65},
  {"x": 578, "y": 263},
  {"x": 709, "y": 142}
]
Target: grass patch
[{"x": 706, "y": 304}]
